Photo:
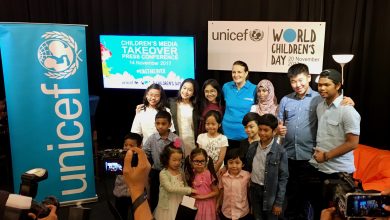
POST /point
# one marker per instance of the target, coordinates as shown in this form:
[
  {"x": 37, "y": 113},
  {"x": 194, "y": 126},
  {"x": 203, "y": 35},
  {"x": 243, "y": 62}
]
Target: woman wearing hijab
[{"x": 266, "y": 101}]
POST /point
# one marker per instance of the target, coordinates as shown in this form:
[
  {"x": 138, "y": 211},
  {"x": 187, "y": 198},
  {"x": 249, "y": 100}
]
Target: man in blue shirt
[
  {"x": 337, "y": 135},
  {"x": 338, "y": 128},
  {"x": 297, "y": 112}
]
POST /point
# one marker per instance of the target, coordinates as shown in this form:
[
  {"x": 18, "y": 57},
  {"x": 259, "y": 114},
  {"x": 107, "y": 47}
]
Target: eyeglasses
[{"x": 198, "y": 162}]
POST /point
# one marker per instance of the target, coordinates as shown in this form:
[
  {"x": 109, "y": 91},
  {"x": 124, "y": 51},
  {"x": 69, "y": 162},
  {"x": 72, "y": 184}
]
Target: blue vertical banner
[{"x": 45, "y": 77}]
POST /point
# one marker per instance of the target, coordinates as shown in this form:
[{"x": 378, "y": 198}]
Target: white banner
[{"x": 266, "y": 46}]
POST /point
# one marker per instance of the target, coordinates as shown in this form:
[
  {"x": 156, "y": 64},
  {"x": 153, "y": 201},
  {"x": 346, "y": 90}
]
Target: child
[
  {"x": 251, "y": 125},
  {"x": 233, "y": 189},
  {"x": 153, "y": 147},
  {"x": 266, "y": 101},
  {"x": 211, "y": 99},
  {"x": 122, "y": 197},
  {"x": 213, "y": 141},
  {"x": 204, "y": 180},
  {"x": 185, "y": 113},
  {"x": 269, "y": 167},
  {"x": 172, "y": 182},
  {"x": 154, "y": 100}
]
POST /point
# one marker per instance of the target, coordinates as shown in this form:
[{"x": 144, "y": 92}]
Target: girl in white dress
[
  {"x": 213, "y": 141},
  {"x": 172, "y": 183},
  {"x": 154, "y": 100}
]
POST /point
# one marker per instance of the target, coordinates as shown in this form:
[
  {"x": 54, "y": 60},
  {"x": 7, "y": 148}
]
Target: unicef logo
[
  {"x": 59, "y": 55},
  {"x": 256, "y": 35}
]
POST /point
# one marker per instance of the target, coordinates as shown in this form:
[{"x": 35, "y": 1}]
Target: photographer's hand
[
  {"x": 52, "y": 215},
  {"x": 329, "y": 214},
  {"x": 136, "y": 179},
  {"x": 386, "y": 193}
]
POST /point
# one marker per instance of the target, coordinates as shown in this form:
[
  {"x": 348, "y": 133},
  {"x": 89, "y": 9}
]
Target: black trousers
[
  {"x": 154, "y": 188},
  {"x": 302, "y": 189}
]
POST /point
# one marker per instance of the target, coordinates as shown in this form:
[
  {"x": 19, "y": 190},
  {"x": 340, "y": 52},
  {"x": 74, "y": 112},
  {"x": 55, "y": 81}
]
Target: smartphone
[
  {"x": 134, "y": 159},
  {"x": 113, "y": 166},
  {"x": 367, "y": 205}
]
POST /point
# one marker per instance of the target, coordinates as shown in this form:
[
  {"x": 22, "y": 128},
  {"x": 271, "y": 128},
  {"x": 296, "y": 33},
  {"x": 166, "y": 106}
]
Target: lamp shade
[{"x": 342, "y": 58}]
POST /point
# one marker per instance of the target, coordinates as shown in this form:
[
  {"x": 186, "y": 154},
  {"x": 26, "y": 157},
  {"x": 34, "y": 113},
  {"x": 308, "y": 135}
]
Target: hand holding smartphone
[
  {"x": 115, "y": 165},
  {"x": 367, "y": 205},
  {"x": 134, "y": 159}
]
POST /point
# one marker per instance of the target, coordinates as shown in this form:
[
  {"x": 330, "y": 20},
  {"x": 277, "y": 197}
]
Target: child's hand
[
  {"x": 198, "y": 196},
  {"x": 221, "y": 171},
  {"x": 276, "y": 210},
  {"x": 193, "y": 191}
]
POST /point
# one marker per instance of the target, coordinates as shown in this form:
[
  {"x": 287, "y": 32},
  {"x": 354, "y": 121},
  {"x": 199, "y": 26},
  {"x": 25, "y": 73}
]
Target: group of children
[{"x": 212, "y": 174}]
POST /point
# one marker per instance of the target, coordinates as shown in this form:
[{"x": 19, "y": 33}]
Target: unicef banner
[
  {"x": 45, "y": 76},
  {"x": 266, "y": 46}
]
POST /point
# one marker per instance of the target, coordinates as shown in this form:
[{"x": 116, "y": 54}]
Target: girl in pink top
[
  {"x": 204, "y": 180},
  {"x": 210, "y": 99}
]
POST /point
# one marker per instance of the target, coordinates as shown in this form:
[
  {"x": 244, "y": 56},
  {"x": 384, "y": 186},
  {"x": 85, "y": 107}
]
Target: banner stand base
[{"x": 79, "y": 201}]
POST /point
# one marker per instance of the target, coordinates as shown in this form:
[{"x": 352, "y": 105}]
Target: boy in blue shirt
[
  {"x": 269, "y": 166},
  {"x": 153, "y": 147}
]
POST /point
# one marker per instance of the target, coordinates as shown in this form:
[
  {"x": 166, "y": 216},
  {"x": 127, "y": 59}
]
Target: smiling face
[
  {"x": 239, "y": 75},
  {"x": 300, "y": 84},
  {"x": 235, "y": 166},
  {"x": 328, "y": 89},
  {"x": 211, "y": 94},
  {"x": 212, "y": 125},
  {"x": 187, "y": 91},
  {"x": 153, "y": 96},
  {"x": 252, "y": 130}
]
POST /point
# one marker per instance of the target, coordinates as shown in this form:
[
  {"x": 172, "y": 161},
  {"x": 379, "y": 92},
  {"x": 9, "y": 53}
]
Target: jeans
[{"x": 256, "y": 197}]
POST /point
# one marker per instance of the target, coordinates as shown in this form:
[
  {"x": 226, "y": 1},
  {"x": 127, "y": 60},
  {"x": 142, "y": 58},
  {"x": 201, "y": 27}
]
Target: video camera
[
  {"x": 339, "y": 188},
  {"x": 113, "y": 160},
  {"x": 29, "y": 187}
]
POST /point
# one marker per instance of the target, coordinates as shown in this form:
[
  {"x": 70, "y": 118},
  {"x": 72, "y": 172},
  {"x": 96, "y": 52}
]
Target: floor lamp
[{"x": 342, "y": 59}]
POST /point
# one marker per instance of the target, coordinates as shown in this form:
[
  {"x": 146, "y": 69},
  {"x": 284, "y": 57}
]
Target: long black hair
[
  {"x": 163, "y": 98},
  {"x": 218, "y": 118},
  {"x": 204, "y": 102},
  {"x": 194, "y": 97}
]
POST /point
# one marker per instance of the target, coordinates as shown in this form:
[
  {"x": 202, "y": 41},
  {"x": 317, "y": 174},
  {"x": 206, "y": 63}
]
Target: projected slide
[{"x": 135, "y": 62}]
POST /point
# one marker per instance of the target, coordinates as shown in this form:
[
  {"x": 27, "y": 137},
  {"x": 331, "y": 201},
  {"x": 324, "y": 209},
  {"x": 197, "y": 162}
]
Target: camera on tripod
[{"x": 29, "y": 187}]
